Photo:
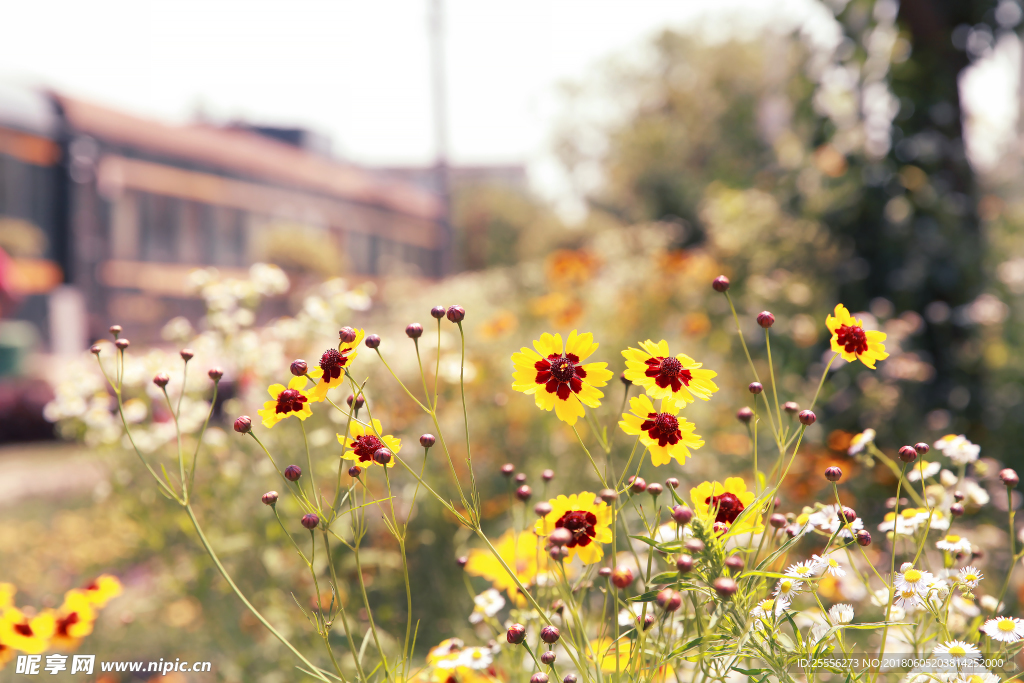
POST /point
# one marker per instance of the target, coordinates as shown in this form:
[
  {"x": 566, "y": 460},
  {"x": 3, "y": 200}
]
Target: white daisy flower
[
  {"x": 970, "y": 576},
  {"x": 801, "y": 525},
  {"x": 953, "y": 543},
  {"x": 976, "y": 495},
  {"x": 958, "y": 449},
  {"x": 989, "y": 603},
  {"x": 769, "y": 607},
  {"x": 487, "y": 604},
  {"x": 831, "y": 565},
  {"x": 976, "y": 674},
  {"x": 802, "y": 570},
  {"x": 840, "y": 613},
  {"x": 880, "y": 597},
  {"x": 939, "y": 521},
  {"x": 963, "y": 606},
  {"x": 1004, "y": 629},
  {"x": 860, "y": 441},
  {"x": 958, "y": 651},
  {"x": 913, "y": 579},
  {"x": 818, "y": 632},
  {"x": 923, "y": 468},
  {"x": 826, "y": 520},
  {"x": 787, "y": 588},
  {"x": 907, "y": 599},
  {"x": 905, "y": 523},
  {"x": 475, "y": 658},
  {"x": 948, "y": 479}
]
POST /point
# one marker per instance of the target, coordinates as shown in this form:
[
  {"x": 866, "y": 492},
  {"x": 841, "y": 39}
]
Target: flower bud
[
  {"x": 414, "y": 330},
  {"x": 243, "y": 425},
  {"x": 956, "y": 509},
  {"x": 724, "y": 586},
  {"x": 456, "y": 314},
  {"x": 684, "y": 563},
  {"x": 95, "y": 349},
  {"x": 115, "y": 330},
  {"x": 355, "y": 471},
  {"x": 720, "y": 284},
  {"x": 672, "y": 483},
  {"x": 806, "y": 417},
  {"x": 508, "y": 469},
  {"x": 521, "y": 478},
  {"x": 347, "y": 335},
  {"x": 765, "y": 319},
  {"x": 560, "y": 537},
  {"x": 427, "y": 440},
  {"x": 694, "y": 545},
  {"x": 382, "y": 456},
  {"x": 648, "y": 621},
  {"x": 292, "y": 472},
  {"x": 372, "y": 341},
  {"x": 524, "y": 492},
  {"x": 569, "y": 678},
  {"x": 1009, "y": 478},
  {"x": 539, "y": 677},
  {"x": 310, "y": 521},
  {"x": 462, "y": 561},
  {"x": 516, "y": 634},
  {"x": 549, "y": 634},
  {"x": 755, "y": 388},
  {"x": 558, "y": 553},
  {"x": 298, "y": 367},
  {"x": 437, "y": 312},
  {"x": 122, "y": 344},
  {"x": 778, "y": 521},
  {"x": 547, "y": 475},
  {"x": 669, "y": 600},
  {"x": 604, "y": 572},
  {"x": 625, "y": 380},
  {"x": 776, "y": 503},
  {"x": 187, "y": 354},
  {"x": 833, "y": 473},
  {"x": 622, "y": 577},
  {"x": 734, "y": 562},
  {"x": 921, "y": 447},
  {"x": 655, "y": 489},
  {"x": 682, "y": 514},
  {"x": 542, "y": 508},
  {"x": 958, "y": 496},
  {"x": 161, "y": 379},
  {"x": 908, "y": 454},
  {"x": 864, "y": 537},
  {"x": 720, "y": 528},
  {"x": 270, "y": 498},
  {"x": 359, "y": 401},
  {"x": 744, "y": 415},
  {"x": 215, "y": 374},
  {"x": 791, "y": 407},
  {"x": 849, "y": 514},
  {"x": 547, "y": 658},
  {"x": 608, "y": 495},
  {"x": 637, "y": 485}
]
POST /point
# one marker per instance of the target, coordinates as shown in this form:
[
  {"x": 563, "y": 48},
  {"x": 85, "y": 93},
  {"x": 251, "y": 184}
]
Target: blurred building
[{"x": 103, "y": 215}]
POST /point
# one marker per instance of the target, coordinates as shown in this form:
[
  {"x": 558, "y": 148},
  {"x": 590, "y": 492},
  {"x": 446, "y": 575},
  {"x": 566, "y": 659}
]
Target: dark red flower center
[
  {"x": 289, "y": 401},
  {"x": 560, "y": 374},
  {"x": 24, "y": 629},
  {"x": 64, "y": 623},
  {"x": 668, "y": 372},
  {"x": 663, "y": 428},
  {"x": 852, "y": 338},
  {"x": 333, "y": 363},
  {"x": 365, "y": 446},
  {"x": 729, "y": 507},
  {"x": 581, "y": 524}
]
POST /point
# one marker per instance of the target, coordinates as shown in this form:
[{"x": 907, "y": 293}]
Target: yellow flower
[
  {"x": 676, "y": 378},
  {"x": 365, "y": 442},
  {"x": 559, "y": 380},
  {"x": 74, "y": 620},
  {"x": 520, "y": 552},
  {"x": 7, "y": 591},
  {"x": 850, "y": 339},
  {"x": 104, "y": 589},
  {"x": 589, "y": 520},
  {"x": 333, "y": 363},
  {"x": 31, "y": 635},
  {"x": 6, "y": 655},
  {"x": 666, "y": 435},
  {"x": 726, "y": 502},
  {"x": 286, "y": 401},
  {"x": 610, "y": 656}
]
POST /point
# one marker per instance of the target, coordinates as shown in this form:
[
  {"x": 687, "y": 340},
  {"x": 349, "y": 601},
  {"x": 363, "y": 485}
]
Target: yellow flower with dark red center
[
  {"x": 557, "y": 376},
  {"x": 852, "y": 341},
  {"x": 30, "y": 635},
  {"x": 104, "y": 589},
  {"x": 716, "y": 502},
  {"x": 6, "y": 655},
  {"x": 522, "y": 555},
  {"x": 333, "y": 363},
  {"x": 677, "y": 378},
  {"x": 74, "y": 620},
  {"x": 287, "y": 401},
  {"x": 666, "y": 435},
  {"x": 589, "y": 520},
  {"x": 366, "y": 440}
]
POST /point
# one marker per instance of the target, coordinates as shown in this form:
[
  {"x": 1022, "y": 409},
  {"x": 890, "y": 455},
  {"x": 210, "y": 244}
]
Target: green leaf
[
  {"x": 644, "y": 597},
  {"x": 670, "y": 546},
  {"x": 664, "y": 577},
  {"x": 646, "y": 540},
  {"x": 749, "y": 672}
]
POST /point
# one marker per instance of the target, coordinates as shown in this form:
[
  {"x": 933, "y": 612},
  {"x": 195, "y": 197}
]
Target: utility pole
[{"x": 441, "y": 179}]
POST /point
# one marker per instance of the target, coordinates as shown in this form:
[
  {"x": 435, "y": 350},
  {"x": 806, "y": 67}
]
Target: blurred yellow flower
[
  {"x": 589, "y": 520},
  {"x": 332, "y": 366},
  {"x": 104, "y": 589},
  {"x": 30, "y": 635},
  {"x": 285, "y": 402},
  {"x": 663, "y": 376},
  {"x": 364, "y": 442},
  {"x": 74, "y": 620},
  {"x": 852, "y": 341},
  {"x": 667, "y": 436},
  {"x": 520, "y": 552},
  {"x": 612, "y": 657},
  {"x": 6, "y": 655},
  {"x": 7, "y": 591},
  {"x": 558, "y": 379},
  {"x": 726, "y": 501},
  {"x": 499, "y": 325},
  {"x": 571, "y": 267}
]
